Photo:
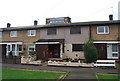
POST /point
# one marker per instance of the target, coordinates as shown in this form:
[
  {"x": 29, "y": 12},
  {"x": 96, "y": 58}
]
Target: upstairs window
[
  {"x": 0, "y": 34},
  {"x": 77, "y": 47},
  {"x": 75, "y": 30},
  {"x": 102, "y": 30},
  {"x": 31, "y": 33},
  {"x": 13, "y": 34},
  {"x": 51, "y": 31}
]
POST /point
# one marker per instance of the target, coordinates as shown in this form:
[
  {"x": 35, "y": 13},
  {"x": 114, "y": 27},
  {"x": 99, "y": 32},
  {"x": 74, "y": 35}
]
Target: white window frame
[
  {"x": 29, "y": 33},
  {"x": 104, "y": 30},
  {"x": 117, "y": 52},
  {"x": 13, "y": 33}
]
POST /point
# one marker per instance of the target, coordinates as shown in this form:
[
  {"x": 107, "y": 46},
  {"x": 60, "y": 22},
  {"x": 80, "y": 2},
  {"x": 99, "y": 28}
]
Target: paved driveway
[{"x": 74, "y": 72}]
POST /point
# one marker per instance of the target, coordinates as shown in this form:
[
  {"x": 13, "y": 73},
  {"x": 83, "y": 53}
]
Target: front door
[
  {"x": 42, "y": 51},
  {"x": 102, "y": 51},
  {"x": 112, "y": 51}
]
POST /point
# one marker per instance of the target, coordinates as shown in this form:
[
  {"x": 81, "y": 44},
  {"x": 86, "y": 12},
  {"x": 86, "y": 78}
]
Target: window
[
  {"x": 75, "y": 30},
  {"x": 13, "y": 34},
  {"x": 31, "y": 47},
  {"x": 103, "y": 30},
  {"x": 0, "y": 34},
  {"x": 19, "y": 48},
  {"x": 51, "y": 31},
  {"x": 114, "y": 50},
  {"x": 31, "y": 33},
  {"x": 77, "y": 47}
]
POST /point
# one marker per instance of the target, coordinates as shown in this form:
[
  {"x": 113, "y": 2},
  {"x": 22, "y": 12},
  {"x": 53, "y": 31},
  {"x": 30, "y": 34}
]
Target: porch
[
  {"x": 107, "y": 49},
  {"x": 15, "y": 48},
  {"x": 47, "y": 49}
]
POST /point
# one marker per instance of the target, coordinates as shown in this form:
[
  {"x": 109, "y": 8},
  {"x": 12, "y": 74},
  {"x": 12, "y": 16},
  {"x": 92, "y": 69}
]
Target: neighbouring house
[
  {"x": 19, "y": 39},
  {"x": 106, "y": 37}
]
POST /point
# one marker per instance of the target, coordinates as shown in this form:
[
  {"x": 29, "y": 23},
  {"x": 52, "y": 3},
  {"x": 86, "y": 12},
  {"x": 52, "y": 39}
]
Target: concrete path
[{"x": 74, "y": 72}]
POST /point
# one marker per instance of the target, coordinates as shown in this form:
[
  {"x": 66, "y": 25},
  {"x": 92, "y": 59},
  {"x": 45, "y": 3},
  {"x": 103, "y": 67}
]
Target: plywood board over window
[{"x": 75, "y": 30}]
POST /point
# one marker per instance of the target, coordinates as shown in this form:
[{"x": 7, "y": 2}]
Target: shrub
[
  {"x": 32, "y": 52},
  {"x": 90, "y": 52},
  {"x": 22, "y": 53}
]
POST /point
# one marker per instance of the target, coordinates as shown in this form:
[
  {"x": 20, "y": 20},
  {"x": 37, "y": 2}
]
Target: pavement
[{"x": 75, "y": 73}]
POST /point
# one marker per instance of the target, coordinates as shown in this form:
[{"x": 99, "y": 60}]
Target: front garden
[
  {"x": 10, "y": 74},
  {"x": 108, "y": 77}
]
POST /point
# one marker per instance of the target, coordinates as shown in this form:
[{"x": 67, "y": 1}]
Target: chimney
[
  {"x": 111, "y": 17},
  {"x": 8, "y": 25},
  {"x": 35, "y": 22}
]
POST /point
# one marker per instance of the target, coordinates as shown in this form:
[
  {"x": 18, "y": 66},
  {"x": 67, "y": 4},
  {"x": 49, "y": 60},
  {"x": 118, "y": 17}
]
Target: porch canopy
[{"x": 49, "y": 41}]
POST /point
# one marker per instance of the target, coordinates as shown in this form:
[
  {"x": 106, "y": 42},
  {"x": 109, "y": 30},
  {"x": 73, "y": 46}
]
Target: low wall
[
  {"x": 29, "y": 60},
  {"x": 77, "y": 64}
]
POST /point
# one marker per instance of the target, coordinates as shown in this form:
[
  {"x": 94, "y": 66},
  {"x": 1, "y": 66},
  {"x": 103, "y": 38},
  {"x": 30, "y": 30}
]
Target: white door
[{"x": 112, "y": 51}]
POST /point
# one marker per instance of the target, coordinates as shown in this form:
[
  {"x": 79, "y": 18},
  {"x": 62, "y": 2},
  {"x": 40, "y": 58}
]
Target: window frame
[
  {"x": 71, "y": 32},
  {"x": 13, "y": 33},
  {"x": 115, "y": 52},
  {"x": 104, "y": 31},
  {"x": 76, "y": 50},
  {"x": 53, "y": 33},
  {"x": 29, "y": 33}
]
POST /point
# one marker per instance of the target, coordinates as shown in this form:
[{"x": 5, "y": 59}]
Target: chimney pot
[
  {"x": 8, "y": 25},
  {"x": 35, "y": 22},
  {"x": 111, "y": 17}
]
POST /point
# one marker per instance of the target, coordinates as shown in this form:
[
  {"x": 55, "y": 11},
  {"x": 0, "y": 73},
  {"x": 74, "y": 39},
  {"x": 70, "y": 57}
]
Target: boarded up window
[
  {"x": 75, "y": 30},
  {"x": 51, "y": 31},
  {"x": 77, "y": 47}
]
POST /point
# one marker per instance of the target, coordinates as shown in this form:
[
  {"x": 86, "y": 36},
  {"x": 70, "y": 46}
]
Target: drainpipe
[{"x": 90, "y": 32}]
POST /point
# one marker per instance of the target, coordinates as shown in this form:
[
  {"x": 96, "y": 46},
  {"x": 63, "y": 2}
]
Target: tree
[{"x": 90, "y": 52}]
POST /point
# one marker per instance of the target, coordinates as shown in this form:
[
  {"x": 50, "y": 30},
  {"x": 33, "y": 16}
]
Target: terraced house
[
  {"x": 60, "y": 38},
  {"x": 18, "y": 39},
  {"x": 106, "y": 36}
]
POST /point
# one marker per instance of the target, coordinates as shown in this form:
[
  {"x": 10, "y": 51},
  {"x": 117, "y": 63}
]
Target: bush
[
  {"x": 32, "y": 52},
  {"x": 90, "y": 52},
  {"x": 22, "y": 53}
]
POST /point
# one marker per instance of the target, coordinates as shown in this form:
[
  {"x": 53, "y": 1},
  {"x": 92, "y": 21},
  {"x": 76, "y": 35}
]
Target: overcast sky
[{"x": 24, "y": 12}]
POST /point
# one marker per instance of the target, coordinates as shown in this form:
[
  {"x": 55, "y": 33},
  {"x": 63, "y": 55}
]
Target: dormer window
[
  {"x": 13, "y": 34},
  {"x": 102, "y": 30}
]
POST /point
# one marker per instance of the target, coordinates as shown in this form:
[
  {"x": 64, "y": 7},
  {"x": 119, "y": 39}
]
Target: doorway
[{"x": 54, "y": 51}]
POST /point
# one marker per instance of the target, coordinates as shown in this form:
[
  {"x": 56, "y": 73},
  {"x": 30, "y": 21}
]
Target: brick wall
[{"x": 113, "y": 33}]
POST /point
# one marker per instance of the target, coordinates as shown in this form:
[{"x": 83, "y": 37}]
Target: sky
[{"x": 24, "y": 12}]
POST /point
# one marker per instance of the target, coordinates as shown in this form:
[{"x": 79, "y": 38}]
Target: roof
[{"x": 63, "y": 25}]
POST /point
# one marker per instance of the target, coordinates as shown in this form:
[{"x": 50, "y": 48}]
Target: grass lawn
[
  {"x": 108, "y": 77},
  {"x": 29, "y": 74}
]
